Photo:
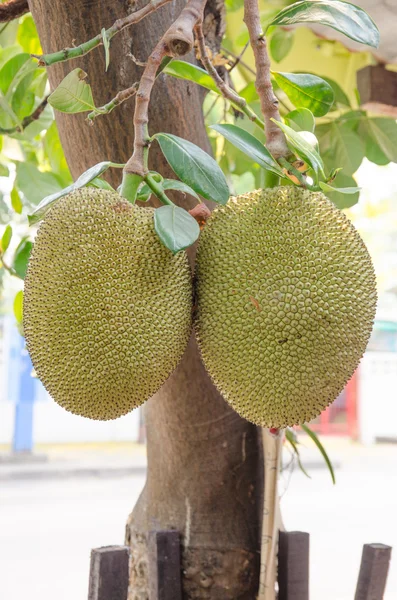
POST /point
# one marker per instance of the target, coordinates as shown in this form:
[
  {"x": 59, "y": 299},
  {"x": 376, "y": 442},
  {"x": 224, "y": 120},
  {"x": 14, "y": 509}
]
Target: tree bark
[{"x": 203, "y": 460}]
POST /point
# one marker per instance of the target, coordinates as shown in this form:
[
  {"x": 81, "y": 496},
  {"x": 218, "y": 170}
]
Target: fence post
[
  {"x": 373, "y": 572},
  {"x": 109, "y": 573},
  {"x": 293, "y": 565},
  {"x": 164, "y": 567}
]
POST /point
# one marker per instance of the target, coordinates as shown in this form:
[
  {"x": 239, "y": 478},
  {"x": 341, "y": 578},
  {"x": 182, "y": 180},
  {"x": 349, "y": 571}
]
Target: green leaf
[
  {"x": 84, "y": 179},
  {"x": 27, "y": 35},
  {"x": 329, "y": 188},
  {"x": 346, "y": 148},
  {"x": 194, "y": 167},
  {"x": 349, "y": 19},
  {"x": 10, "y": 70},
  {"x": 179, "y": 186},
  {"x": 28, "y": 69},
  {"x": 73, "y": 94},
  {"x": 249, "y": 93},
  {"x": 340, "y": 97},
  {"x": 306, "y": 91},
  {"x": 301, "y": 119},
  {"x": 250, "y": 145},
  {"x": 280, "y": 44},
  {"x": 176, "y": 228},
  {"x": 5, "y": 239},
  {"x": 145, "y": 192},
  {"x": 18, "y": 306},
  {"x": 21, "y": 257},
  {"x": 101, "y": 184},
  {"x": 184, "y": 70},
  {"x": 384, "y": 132},
  {"x": 106, "y": 45},
  {"x": 290, "y": 437},
  {"x": 16, "y": 202},
  {"x": 35, "y": 184},
  {"x": 302, "y": 148},
  {"x": 319, "y": 445},
  {"x": 23, "y": 100},
  {"x": 8, "y": 119},
  {"x": 344, "y": 192}
]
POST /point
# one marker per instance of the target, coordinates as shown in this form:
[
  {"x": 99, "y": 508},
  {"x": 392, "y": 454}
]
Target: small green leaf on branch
[
  {"x": 280, "y": 44},
  {"x": 106, "y": 45},
  {"x": 250, "y": 145},
  {"x": 302, "y": 148},
  {"x": 349, "y": 19},
  {"x": 73, "y": 95},
  {"x": 301, "y": 119},
  {"x": 184, "y": 70},
  {"x": 176, "y": 228},
  {"x": 84, "y": 179},
  {"x": 344, "y": 193},
  {"x": 306, "y": 91},
  {"x": 194, "y": 167},
  {"x": 101, "y": 184},
  {"x": 145, "y": 192}
]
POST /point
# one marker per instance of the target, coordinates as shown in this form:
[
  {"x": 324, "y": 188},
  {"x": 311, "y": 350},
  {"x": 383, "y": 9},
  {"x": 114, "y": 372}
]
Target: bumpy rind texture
[
  {"x": 286, "y": 298},
  {"x": 107, "y": 308}
]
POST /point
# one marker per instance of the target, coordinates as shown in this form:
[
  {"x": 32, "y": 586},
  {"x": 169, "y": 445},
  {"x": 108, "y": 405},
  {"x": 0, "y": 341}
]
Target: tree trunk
[{"x": 203, "y": 460}]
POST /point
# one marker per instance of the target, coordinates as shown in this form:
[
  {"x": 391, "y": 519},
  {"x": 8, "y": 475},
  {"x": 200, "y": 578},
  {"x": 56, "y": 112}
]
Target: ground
[{"x": 52, "y": 514}]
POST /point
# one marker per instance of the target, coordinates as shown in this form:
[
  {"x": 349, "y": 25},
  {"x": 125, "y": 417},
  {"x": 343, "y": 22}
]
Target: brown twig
[
  {"x": 12, "y": 10},
  {"x": 275, "y": 139},
  {"x": 121, "y": 97},
  {"x": 176, "y": 42},
  {"x": 222, "y": 86},
  {"x": 86, "y": 47},
  {"x": 238, "y": 60},
  {"x": 27, "y": 120}
]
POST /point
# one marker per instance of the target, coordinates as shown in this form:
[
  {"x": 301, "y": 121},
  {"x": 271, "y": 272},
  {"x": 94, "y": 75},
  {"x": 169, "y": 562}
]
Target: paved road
[{"x": 47, "y": 527}]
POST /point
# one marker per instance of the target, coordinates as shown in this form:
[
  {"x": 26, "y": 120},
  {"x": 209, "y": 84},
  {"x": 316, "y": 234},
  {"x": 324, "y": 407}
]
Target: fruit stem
[
  {"x": 291, "y": 170},
  {"x": 157, "y": 189},
  {"x": 129, "y": 186}
]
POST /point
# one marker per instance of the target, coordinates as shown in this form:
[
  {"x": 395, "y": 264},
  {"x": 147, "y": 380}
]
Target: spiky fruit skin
[
  {"x": 285, "y": 303},
  {"x": 107, "y": 308}
]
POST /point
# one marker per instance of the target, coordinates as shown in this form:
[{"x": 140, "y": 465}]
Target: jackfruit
[
  {"x": 107, "y": 308},
  {"x": 285, "y": 303}
]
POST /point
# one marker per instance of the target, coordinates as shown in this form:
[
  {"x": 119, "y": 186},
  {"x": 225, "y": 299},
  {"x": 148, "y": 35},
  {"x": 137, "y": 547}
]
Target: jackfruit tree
[{"x": 284, "y": 289}]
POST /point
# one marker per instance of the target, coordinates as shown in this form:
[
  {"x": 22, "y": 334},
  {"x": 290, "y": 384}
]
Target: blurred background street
[{"x": 52, "y": 513}]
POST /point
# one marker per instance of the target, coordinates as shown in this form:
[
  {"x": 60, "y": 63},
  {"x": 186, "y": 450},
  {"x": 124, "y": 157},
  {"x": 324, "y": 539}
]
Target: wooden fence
[{"x": 109, "y": 569}]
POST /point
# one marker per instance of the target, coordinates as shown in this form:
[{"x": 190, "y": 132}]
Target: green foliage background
[{"x": 32, "y": 163}]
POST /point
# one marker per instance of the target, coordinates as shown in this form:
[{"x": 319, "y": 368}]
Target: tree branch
[
  {"x": 46, "y": 60},
  {"x": 275, "y": 139},
  {"x": 27, "y": 120},
  {"x": 12, "y": 10},
  {"x": 116, "y": 101},
  {"x": 225, "y": 90},
  {"x": 177, "y": 41}
]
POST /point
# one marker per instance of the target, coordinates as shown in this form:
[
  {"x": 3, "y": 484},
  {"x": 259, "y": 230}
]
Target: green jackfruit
[
  {"x": 107, "y": 308},
  {"x": 286, "y": 299}
]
